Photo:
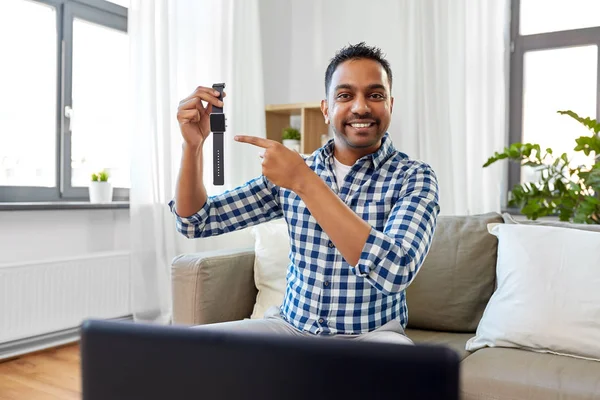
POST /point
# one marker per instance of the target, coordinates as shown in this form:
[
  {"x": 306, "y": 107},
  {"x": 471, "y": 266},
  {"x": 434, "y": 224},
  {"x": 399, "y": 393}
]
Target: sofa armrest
[{"x": 214, "y": 286}]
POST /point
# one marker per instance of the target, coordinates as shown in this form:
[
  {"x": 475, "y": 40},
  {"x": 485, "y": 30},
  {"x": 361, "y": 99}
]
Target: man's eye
[
  {"x": 378, "y": 96},
  {"x": 343, "y": 96}
]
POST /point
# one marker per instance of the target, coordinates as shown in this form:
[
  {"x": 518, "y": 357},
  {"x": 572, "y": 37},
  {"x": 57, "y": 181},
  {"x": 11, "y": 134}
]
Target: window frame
[
  {"x": 521, "y": 44},
  {"x": 101, "y": 12}
]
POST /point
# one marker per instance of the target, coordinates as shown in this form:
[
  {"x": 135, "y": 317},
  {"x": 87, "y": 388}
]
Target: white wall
[
  {"x": 301, "y": 36},
  {"x": 54, "y": 234},
  {"x": 276, "y": 37},
  {"x": 58, "y": 267}
]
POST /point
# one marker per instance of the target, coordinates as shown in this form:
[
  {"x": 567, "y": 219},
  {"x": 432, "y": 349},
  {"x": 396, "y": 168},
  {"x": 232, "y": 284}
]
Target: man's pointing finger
[{"x": 256, "y": 141}]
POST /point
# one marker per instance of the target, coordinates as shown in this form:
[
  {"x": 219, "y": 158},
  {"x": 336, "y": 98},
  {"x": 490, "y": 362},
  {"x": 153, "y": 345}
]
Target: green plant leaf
[
  {"x": 290, "y": 134},
  {"x": 591, "y": 124},
  {"x": 565, "y": 213},
  {"x": 516, "y": 152},
  {"x": 587, "y": 144},
  {"x": 592, "y": 177},
  {"x": 571, "y": 193}
]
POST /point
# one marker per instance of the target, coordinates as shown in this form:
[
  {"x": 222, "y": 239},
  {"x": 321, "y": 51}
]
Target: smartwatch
[{"x": 217, "y": 127}]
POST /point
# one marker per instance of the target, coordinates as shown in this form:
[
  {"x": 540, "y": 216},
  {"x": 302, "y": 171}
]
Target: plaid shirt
[{"x": 325, "y": 295}]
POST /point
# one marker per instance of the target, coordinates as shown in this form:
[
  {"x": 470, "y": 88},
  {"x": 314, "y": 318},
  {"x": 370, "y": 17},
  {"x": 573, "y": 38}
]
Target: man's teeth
[{"x": 361, "y": 125}]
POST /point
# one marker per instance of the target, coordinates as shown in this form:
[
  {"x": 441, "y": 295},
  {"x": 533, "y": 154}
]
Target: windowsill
[
  {"x": 511, "y": 211},
  {"x": 517, "y": 215},
  {"x": 63, "y": 205}
]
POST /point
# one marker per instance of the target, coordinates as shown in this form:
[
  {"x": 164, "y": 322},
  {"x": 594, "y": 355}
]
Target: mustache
[{"x": 362, "y": 116}]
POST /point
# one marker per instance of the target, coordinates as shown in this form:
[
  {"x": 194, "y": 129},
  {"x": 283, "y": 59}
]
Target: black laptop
[{"x": 126, "y": 360}]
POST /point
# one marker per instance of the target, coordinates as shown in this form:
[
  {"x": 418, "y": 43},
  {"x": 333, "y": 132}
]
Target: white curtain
[
  {"x": 450, "y": 94},
  {"x": 177, "y": 45}
]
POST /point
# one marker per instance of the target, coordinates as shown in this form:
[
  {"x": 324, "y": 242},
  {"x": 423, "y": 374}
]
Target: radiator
[{"x": 38, "y": 298}]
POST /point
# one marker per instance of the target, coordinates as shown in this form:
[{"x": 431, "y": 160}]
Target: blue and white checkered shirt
[{"x": 325, "y": 295}]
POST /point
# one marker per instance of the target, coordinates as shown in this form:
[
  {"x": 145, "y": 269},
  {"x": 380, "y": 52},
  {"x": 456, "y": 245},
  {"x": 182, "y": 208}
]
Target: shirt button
[
  {"x": 331, "y": 244},
  {"x": 326, "y": 283},
  {"x": 321, "y": 320}
]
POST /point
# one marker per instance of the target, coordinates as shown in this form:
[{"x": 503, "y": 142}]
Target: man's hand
[
  {"x": 193, "y": 116},
  {"x": 282, "y": 166}
]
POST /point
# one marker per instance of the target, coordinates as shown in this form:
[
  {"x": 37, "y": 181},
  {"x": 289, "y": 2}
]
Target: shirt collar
[{"x": 377, "y": 158}]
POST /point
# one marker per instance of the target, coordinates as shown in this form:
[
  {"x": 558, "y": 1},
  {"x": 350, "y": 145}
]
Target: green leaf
[
  {"x": 587, "y": 144},
  {"x": 290, "y": 134},
  {"x": 530, "y": 208},
  {"x": 565, "y": 214},
  {"x": 514, "y": 153},
  {"x": 591, "y": 124},
  {"x": 592, "y": 177},
  {"x": 571, "y": 193}
]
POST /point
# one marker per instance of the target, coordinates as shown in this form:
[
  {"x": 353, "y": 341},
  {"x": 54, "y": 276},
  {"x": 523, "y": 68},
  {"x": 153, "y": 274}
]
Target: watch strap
[
  {"x": 219, "y": 88},
  {"x": 218, "y": 165}
]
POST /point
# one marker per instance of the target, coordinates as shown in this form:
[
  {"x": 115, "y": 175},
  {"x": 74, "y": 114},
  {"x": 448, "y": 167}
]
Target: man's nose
[{"x": 360, "y": 105}]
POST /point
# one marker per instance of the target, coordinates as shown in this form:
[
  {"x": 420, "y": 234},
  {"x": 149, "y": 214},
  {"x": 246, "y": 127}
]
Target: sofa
[{"x": 446, "y": 306}]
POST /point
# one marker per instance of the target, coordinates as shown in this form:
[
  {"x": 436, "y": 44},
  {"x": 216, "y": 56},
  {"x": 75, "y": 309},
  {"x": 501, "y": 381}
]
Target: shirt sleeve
[
  {"x": 391, "y": 259},
  {"x": 253, "y": 203}
]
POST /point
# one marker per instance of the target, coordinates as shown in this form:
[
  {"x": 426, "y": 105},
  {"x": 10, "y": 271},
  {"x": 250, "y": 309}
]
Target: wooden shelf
[
  {"x": 291, "y": 109},
  {"x": 312, "y": 123}
]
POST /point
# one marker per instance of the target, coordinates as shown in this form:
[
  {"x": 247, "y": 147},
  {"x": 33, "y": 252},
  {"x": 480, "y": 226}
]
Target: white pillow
[
  {"x": 271, "y": 248},
  {"x": 548, "y": 295}
]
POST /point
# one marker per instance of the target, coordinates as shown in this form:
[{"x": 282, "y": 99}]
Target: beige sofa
[{"x": 445, "y": 304}]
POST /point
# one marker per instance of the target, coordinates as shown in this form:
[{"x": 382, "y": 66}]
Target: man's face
[{"x": 359, "y": 104}]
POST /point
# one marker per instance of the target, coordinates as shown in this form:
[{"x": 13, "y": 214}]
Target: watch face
[{"x": 217, "y": 122}]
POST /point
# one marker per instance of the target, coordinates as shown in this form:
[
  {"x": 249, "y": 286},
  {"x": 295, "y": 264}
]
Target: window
[
  {"x": 555, "y": 63},
  {"x": 64, "y": 98}
]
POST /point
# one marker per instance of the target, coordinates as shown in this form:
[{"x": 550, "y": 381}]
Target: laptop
[{"x": 126, "y": 360}]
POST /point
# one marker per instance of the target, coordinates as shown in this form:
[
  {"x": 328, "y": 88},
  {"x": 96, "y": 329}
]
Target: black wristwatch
[{"x": 217, "y": 127}]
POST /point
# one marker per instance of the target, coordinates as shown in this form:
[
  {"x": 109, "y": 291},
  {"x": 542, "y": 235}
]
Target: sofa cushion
[
  {"x": 456, "y": 341},
  {"x": 508, "y": 374},
  {"x": 457, "y": 278},
  {"x": 547, "y": 298},
  {"x": 271, "y": 249}
]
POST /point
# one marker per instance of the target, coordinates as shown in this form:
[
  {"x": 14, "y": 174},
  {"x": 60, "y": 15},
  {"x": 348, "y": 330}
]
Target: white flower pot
[
  {"x": 292, "y": 144},
  {"x": 100, "y": 192}
]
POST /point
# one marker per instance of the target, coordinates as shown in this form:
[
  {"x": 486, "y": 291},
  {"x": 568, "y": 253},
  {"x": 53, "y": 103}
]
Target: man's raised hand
[{"x": 193, "y": 115}]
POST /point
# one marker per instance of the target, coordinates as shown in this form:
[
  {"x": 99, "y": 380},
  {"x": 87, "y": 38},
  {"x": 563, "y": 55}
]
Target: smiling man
[{"x": 361, "y": 215}]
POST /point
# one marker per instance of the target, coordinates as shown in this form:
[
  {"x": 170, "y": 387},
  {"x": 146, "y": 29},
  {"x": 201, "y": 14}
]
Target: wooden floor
[{"x": 47, "y": 375}]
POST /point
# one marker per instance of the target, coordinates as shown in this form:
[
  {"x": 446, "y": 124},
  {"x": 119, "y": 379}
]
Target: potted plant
[
  {"x": 291, "y": 138},
  {"x": 572, "y": 193},
  {"x": 100, "y": 188}
]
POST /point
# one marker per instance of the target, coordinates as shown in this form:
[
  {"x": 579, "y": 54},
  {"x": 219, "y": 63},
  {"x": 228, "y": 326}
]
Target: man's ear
[
  {"x": 391, "y": 104},
  {"x": 325, "y": 111}
]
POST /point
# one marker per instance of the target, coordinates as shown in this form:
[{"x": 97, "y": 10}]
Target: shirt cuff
[
  {"x": 373, "y": 253},
  {"x": 194, "y": 219}
]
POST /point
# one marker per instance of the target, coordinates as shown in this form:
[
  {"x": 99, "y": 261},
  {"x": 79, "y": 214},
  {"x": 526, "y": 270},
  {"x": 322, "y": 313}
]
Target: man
[{"x": 361, "y": 215}]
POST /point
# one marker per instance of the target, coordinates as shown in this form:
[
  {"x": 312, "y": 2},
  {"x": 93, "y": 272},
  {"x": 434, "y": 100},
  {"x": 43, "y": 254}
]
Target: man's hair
[{"x": 355, "y": 52}]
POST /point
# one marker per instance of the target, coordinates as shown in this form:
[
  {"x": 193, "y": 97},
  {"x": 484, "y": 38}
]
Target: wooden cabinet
[{"x": 312, "y": 125}]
